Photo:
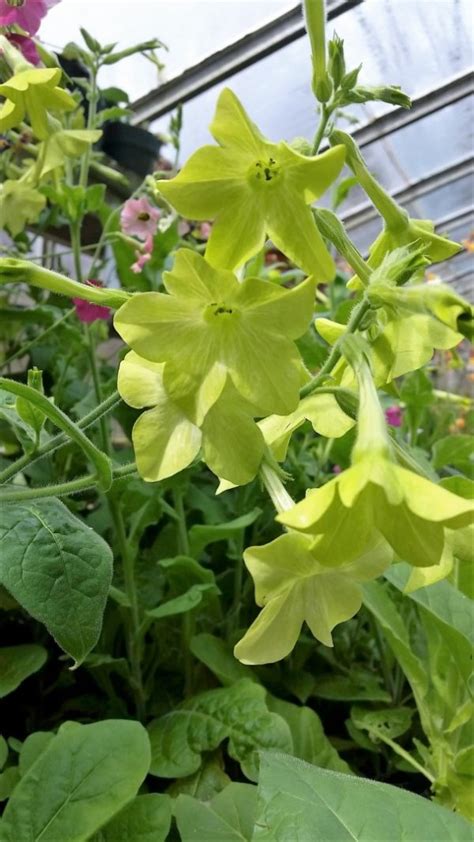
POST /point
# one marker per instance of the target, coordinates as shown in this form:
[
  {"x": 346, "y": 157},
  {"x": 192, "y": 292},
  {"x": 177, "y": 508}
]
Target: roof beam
[{"x": 252, "y": 47}]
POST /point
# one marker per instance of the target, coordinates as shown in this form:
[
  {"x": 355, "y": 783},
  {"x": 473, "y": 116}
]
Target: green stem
[
  {"x": 187, "y": 628},
  {"x": 59, "y": 440},
  {"x": 62, "y": 489},
  {"x": 332, "y": 229},
  {"x": 406, "y": 756},
  {"x": 14, "y": 270},
  {"x": 275, "y": 488},
  {"x": 93, "y": 97},
  {"x": 61, "y": 420},
  {"x": 357, "y": 315},
  {"x": 323, "y": 121}
]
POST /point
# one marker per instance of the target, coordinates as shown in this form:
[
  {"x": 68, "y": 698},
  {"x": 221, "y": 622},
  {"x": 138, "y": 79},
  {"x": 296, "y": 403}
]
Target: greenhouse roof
[{"x": 423, "y": 156}]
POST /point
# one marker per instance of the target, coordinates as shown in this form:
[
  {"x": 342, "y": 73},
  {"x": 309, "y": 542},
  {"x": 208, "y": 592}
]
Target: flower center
[
  {"x": 143, "y": 216},
  {"x": 17, "y": 4},
  {"x": 263, "y": 172},
  {"x": 219, "y": 309}
]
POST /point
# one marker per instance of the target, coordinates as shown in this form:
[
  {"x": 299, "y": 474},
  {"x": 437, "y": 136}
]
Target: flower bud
[
  {"x": 350, "y": 79},
  {"x": 336, "y": 63}
]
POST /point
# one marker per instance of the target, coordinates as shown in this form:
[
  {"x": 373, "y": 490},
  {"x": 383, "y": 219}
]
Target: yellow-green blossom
[
  {"x": 293, "y": 584},
  {"x": 31, "y": 94},
  {"x": 210, "y": 329},
  {"x": 20, "y": 204},
  {"x": 253, "y": 188}
]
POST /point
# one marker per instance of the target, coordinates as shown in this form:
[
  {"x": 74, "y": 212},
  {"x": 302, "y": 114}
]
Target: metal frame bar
[
  {"x": 252, "y": 47},
  {"x": 439, "y": 178}
]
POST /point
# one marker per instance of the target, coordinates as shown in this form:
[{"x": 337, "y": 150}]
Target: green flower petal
[
  {"x": 140, "y": 382},
  {"x": 312, "y": 176},
  {"x": 421, "y": 577},
  {"x": 238, "y": 232},
  {"x": 195, "y": 393},
  {"x": 281, "y": 311},
  {"x": 406, "y": 344},
  {"x": 310, "y": 511},
  {"x": 11, "y": 114},
  {"x": 329, "y": 599},
  {"x": 19, "y": 204},
  {"x": 233, "y": 445},
  {"x": 210, "y": 179},
  {"x": 329, "y": 330},
  {"x": 275, "y": 566},
  {"x": 274, "y": 633},
  {"x": 232, "y": 127},
  {"x": 414, "y": 539},
  {"x": 165, "y": 442},
  {"x": 293, "y": 230},
  {"x": 433, "y": 502},
  {"x": 194, "y": 279}
]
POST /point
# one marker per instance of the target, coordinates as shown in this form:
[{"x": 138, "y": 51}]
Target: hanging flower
[
  {"x": 26, "y": 46},
  {"x": 87, "y": 312},
  {"x": 253, "y": 188},
  {"x": 294, "y": 585},
  {"x": 33, "y": 93},
  {"x": 139, "y": 218},
  {"x": 25, "y": 13}
]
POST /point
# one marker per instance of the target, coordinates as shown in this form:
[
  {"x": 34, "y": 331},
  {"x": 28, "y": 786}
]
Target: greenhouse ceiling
[{"x": 423, "y": 156}]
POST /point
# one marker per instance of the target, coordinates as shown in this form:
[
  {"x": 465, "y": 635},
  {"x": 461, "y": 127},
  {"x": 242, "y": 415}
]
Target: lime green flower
[
  {"x": 410, "y": 512},
  {"x": 252, "y": 187},
  {"x": 63, "y": 144},
  {"x": 166, "y": 440},
  {"x": 212, "y": 330},
  {"x": 19, "y": 205},
  {"x": 32, "y": 94},
  {"x": 438, "y": 301},
  {"x": 294, "y": 585}
]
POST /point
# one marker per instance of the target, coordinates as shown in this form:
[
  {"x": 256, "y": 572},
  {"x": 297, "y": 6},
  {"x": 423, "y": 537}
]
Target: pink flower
[
  {"x": 139, "y": 218},
  {"x": 394, "y": 416},
  {"x": 183, "y": 227},
  {"x": 87, "y": 312},
  {"x": 25, "y": 13},
  {"x": 336, "y": 469},
  {"x": 26, "y": 46},
  {"x": 143, "y": 256},
  {"x": 205, "y": 230}
]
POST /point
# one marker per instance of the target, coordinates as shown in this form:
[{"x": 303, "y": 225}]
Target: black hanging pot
[{"x": 132, "y": 147}]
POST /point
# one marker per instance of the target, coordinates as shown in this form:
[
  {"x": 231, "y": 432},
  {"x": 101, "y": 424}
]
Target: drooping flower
[
  {"x": 139, "y": 218},
  {"x": 60, "y": 145},
  {"x": 211, "y": 329},
  {"x": 19, "y": 204},
  {"x": 25, "y": 13},
  {"x": 33, "y": 93},
  {"x": 26, "y": 46},
  {"x": 253, "y": 188},
  {"x": 410, "y": 512},
  {"x": 86, "y": 311},
  {"x": 394, "y": 415},
  {"x": 293, "y": 584}
]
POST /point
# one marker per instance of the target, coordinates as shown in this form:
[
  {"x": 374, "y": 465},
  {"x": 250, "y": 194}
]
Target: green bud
[
  {"x": 399, "y": 266},
  {"x": 350, "y": 79},
  {"x": 392, "y": 94},
  {"x": 315, "y": 17},
  {"x": 336, "y": 63},
  {"x": 30, "y": 414},
  {"x": 301, "y": 145},
  {"x": 322, "y": 88}
]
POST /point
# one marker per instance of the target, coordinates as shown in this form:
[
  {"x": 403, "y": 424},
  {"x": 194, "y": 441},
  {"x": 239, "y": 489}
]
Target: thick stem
[
  {"x": 14, "y": 270},
  {"x": 62, "y": 489},
  {"x": 93, "y": 97},
  {"x": 325, "y": 115}
]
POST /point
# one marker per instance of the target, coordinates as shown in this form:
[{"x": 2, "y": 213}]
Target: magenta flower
[
  {"x": 139, "y": 218},
  {"x": 87, "y": 312},
  {"x": 25, "y": 45},
  {"x": 25, "y": 13},
  {"x": 394, "y": 416},
  {"x": 336, "y": 469}
]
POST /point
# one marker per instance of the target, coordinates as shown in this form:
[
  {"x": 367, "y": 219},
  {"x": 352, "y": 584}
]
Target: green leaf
[
  {"x": 341, "y": 688},
  {"x": 3, "y": 751},
  {"x": 236, "y": 713},
  {"x": 205, "y": 783},
  {"x": 183, "y": 603},
  {"x": 229, "y": 817},
  {"x": 17, "y": 663},
  {"x": 309, "y": 740},
  {"x": 457, "y": 451},
  {"x": 299, "y": 801},
  {"x": 200, "y": 535},
  {"x": 218, "y": 658},
  {"x": 145, "y": 819},
  {"x": 31, "y": 749},
  {"x": 390, "y": 722},
  {"x": 8, "y": 781},
  {"x": 82, "y": 779},
  {"x": 58, "y": 569}
]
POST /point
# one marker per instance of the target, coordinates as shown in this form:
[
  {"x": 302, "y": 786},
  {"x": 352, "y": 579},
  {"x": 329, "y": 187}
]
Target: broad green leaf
[
  {"x": 31, "y": 749},
  {"x": 236, "y": 713},
  {"x": 390, "y": 722},
  {"x": 17, "y": 663},
  {"x": 229, "y": 816},
  {"x": 309, "y": 740},
  {"x": 218, "y": 658},
  {"x": 8, "y": 781},
  {"x": 204, "y": 784},
  {"x": 145, "y": 819},
  {"x": 58, "y": 569},
  {"x": 457, "y": 451},
  {"x": 341, "y": 688},
  {"x": 302, "y": 802},
  {"x": 82, "y": 779},
  {"x": 200, "y": 535}
]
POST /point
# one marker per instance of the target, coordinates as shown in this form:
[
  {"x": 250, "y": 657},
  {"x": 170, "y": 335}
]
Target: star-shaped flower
[
  {"x": 294, "y": 585},
  {"x": 211, "y": 330},
  {"x": 33, "y": 93},
  {"x": 253, "y": 188}
]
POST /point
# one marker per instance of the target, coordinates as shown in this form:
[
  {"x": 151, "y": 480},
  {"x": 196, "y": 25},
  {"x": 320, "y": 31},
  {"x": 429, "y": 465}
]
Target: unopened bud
[{"x": 336, "y": 63}]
